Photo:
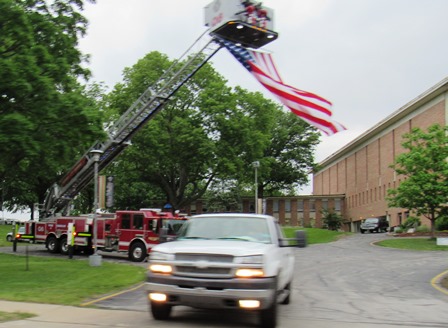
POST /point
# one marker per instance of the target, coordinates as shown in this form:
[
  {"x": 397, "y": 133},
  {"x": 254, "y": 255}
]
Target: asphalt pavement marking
[
  {"x": 112, "y": 295},
  {"x": 436, "y": 282}
]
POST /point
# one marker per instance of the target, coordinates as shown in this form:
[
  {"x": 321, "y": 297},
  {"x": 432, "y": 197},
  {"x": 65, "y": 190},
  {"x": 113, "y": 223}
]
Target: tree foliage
[
  {"x": 424, "y": 168},
  {"x": 46, "y": 116},
  {"x": 208, "y": 133}
]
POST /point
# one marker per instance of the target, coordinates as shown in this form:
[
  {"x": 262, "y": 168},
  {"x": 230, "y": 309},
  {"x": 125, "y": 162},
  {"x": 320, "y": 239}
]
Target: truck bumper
[{"x": 213, "y": 293}]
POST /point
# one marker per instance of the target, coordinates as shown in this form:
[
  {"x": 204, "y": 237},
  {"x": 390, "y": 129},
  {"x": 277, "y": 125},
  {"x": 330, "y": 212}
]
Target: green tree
[
  {"x": 288, "y": 157},
  {"x": 184, "y": 148},
  {"x": 425, "y": 169},
  {"x": 208, "y": 133},
  {"x": 46, "y": 116}
]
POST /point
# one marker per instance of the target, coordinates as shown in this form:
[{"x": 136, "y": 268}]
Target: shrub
[
  {"x": 411, "y": 222},
  {"x": 442, "y": 223},
  {"x": 332, "y": 220},
  {"x": 422, "y": 228}
]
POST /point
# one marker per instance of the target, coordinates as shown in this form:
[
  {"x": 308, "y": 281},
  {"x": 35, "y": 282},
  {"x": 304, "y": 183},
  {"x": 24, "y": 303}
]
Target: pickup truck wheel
[
  {"x": 160, "y": 311},
  {"x": 268, "y": 317},
  {"x": 362, "y": 231},
  {"x": 9, "y": 238},
  {"x": 52, "y": 244},
  {"x": 137, "y": 253}
]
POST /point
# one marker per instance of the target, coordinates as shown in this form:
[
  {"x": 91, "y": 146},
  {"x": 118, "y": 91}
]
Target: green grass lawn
[
  {"x": 416, "y": 244},
  {"x": 315, "y": 235},
  {"x": 12, "y": 316},
  {"x": 62, "y": 281}
]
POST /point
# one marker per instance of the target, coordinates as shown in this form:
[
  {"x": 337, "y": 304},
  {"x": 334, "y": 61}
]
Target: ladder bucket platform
[
  {"x": 243, "y": 22},
  {"x": 246, "y": 34}
]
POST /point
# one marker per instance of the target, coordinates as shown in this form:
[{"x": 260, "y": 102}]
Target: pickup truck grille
[
  {"x": 203, "y": 265},
  {"x": 202, "y": 271},
  {"x": 204, "y": 257}
]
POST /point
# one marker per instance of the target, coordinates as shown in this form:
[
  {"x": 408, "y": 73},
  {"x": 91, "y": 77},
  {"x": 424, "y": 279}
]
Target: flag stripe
[
  {"x": 284, "y": 91},
  {"x": 266, "y": 63},
  {"x": 312, "y": 108}
]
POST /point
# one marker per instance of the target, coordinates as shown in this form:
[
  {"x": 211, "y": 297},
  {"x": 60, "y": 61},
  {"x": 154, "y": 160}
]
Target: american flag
[{"x": 310, "y": 107}]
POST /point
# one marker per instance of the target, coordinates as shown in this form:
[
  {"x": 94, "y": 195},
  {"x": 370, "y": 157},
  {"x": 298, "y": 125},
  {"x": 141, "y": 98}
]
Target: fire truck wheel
[
  {"x": 137, "y": 253},
  {"x": 63, "y": 246},
  {"x": 52, "y": 244},
  {"x": 160, "y": 311}
]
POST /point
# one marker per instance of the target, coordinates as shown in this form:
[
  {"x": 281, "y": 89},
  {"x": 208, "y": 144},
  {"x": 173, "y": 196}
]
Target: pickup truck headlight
[
  {"x": 253, "y": 259},
  {"x": 249, "y": 273},
  {"x": 160, "y": 268}
]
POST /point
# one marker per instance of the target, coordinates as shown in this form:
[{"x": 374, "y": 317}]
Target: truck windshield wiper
[
  {"x": 238, "y": 238},
  {"x": 193, "y": 237}
]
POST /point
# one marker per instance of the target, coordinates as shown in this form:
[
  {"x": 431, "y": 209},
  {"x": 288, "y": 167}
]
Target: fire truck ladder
[{"x": 60, "y": 195}]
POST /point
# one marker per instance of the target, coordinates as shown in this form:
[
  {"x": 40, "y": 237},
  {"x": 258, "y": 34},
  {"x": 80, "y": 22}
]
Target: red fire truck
[{"x": 131, "y": 232}]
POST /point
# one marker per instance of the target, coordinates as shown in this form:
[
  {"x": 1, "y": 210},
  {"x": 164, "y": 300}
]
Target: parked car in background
[
  {"x": 374, "y": 225},
  {"x": 10, "y": 235}
]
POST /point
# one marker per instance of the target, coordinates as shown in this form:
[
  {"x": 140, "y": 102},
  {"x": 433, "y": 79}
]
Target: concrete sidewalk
[{"x": 59, "y": 316}]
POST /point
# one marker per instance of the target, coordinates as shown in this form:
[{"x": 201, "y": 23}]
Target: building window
[
  {"x": 300, "y": 206},
  {"x": 325, "y": 204},
  {"x": 287, "y": 206},
  {"x": 275, "y": 205},
  {"x": 337, "y": 205},
  {"x": 312, "y": 206}
]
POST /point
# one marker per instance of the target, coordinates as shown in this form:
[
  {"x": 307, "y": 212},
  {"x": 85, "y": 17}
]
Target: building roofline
[{"x": 403, "y": 111}]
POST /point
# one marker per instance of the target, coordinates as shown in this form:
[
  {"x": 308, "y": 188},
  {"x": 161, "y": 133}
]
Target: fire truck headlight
[{"x": 160, "y": 268}]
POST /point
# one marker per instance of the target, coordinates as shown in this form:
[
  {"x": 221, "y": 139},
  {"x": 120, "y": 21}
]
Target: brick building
[
  {"x": 303, "y": 211},
  {"x": 361, "y": 170}
]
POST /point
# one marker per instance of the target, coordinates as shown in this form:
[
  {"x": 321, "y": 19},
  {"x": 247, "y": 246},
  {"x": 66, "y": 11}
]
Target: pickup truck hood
[{"x": 225, "y": 247}]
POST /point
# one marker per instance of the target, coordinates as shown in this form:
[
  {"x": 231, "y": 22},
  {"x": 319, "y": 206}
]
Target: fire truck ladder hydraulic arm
[{"x": 142, "y": 110}]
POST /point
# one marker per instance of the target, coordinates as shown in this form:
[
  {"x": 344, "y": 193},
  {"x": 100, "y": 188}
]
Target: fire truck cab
[{"x": 136, "y": 232}]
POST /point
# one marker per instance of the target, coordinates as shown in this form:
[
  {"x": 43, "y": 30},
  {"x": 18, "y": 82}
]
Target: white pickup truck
[{"x": 224, "y": 261}]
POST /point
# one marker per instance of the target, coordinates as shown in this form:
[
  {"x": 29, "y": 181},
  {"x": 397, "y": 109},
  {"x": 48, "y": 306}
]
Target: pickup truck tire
[
  {"x": 52, "y": 244},
  {"x": 9, "y": 238},
  {"x": 268, "y": 317},
  {"x": 160, "y": 311},
  {"x": 287, "y": 299},
  {"x": 137, "y": 253}
]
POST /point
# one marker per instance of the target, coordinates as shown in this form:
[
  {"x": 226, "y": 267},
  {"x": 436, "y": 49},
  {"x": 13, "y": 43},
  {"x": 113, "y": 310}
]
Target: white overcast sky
[{"x": 368, "y": 57}]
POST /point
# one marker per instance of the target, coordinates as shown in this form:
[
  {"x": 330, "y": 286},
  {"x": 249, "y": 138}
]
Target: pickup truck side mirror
[
  {"x": 298, "y": 241},
  {"x": 301, "y": 238}
]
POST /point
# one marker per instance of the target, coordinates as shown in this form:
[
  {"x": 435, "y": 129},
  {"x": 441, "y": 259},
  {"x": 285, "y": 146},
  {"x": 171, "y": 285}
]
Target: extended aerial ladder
[{"x": 228, "y": 22}]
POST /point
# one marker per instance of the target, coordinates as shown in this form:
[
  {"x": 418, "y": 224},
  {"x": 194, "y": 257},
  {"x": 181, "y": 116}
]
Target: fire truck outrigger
[{"x": 135, "y": 232}]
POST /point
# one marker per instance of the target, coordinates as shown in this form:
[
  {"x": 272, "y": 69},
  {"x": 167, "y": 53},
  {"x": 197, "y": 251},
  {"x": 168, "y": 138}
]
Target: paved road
[{"x": 346, "y": 284}]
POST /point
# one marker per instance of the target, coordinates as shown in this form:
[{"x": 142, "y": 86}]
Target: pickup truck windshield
[{"x": 228, "y": 228}]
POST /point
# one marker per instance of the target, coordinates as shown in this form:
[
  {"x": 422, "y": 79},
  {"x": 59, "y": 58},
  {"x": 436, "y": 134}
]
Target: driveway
[{"x": 345, "y": 284}]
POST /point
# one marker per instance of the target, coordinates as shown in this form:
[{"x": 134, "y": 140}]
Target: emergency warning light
[{"x": 247, "y": 23}]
